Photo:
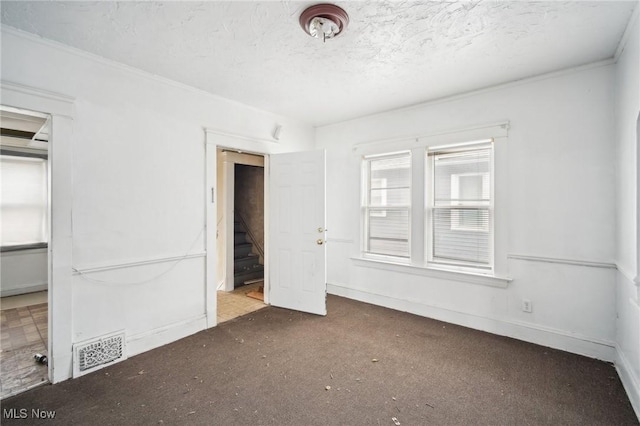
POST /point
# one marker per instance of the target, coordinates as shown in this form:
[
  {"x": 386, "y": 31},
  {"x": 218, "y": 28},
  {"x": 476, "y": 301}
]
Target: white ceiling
[{"x": 393, "y": 54}]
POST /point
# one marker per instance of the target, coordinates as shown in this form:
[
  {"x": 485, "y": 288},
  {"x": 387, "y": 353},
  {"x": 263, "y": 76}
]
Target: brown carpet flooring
[{"x": 360, "y": 365}]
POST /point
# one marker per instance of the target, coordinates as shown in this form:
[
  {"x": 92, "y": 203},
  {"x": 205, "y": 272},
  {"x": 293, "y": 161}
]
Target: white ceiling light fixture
[{"x": 324, "y": 21}]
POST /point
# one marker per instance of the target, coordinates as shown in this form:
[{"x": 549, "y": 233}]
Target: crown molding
[
  {"x": 5, "y": 29},
  {"x": 627, "y": 32},
  {"x": 478, "y": 92}
]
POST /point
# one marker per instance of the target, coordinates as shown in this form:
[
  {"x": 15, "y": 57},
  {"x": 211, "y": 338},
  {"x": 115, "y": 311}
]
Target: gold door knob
[{"x": 319, "y": 241}]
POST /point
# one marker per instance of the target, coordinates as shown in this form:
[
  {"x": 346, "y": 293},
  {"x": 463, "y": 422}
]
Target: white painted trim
[
  {"x": 630, "y": 381},
  {"x": 239, "y": 136},
  {"x": 242, "y": 143},
  {"x": 267, "y": 237},
  {"x": 533, "y": 333},
  {"x": 160, "y": 336},
  {"x": 60, "y": 259},
  {"x": 61, "y": 109},
  {"x": 229, "y": 207},
  {"x": 32, "y": 288},
  {"x": 427, "y": 271},
  {"x": 471, "y": 133},
  {"x": 135, "y": 263},
  {"x": 478, "y": 92},
  {"x": 627, "y": 33},
  {"x": 575, "y": 262},
  {"x": 210, "y": 234}
]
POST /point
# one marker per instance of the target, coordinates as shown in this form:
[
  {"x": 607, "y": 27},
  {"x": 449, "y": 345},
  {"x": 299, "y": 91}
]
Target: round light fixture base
[{"x": 324, "y": 21}]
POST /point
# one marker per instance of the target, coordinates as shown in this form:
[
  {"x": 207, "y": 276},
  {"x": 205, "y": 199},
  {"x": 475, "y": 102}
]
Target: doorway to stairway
[
  {"x": 248, "y": 230},
  {"x": 240, "y": 236}
]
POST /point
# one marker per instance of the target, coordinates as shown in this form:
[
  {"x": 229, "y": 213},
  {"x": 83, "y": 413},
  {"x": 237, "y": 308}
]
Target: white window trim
[
  {"x": 424, "y": 270},
  {"x": 459, "y": 265},
  {"x": 498, "y": 132}
]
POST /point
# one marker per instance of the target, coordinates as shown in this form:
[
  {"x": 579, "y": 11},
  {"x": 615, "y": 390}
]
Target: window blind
[
  {"x": 23, "y": 200},
  {"x": 386, "y": 204},
  {"x": 461, "y": 208}
]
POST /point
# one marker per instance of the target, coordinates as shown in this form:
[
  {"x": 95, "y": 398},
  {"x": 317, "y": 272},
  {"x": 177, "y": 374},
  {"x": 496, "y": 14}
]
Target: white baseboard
[
  {"x": 544, "y": 336},
  {"x": 136, "y": 344},
  {"x": 157, "y": 337},
  {"x": 23, "y": 290},
  {"x": 630, "y": 381}
]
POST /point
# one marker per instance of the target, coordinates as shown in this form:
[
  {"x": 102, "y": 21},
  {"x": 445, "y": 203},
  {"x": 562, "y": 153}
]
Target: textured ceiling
[{"x": 393, "y": 54}]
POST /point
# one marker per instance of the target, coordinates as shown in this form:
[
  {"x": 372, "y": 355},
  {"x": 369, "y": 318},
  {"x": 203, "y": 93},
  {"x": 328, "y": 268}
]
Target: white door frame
[
  {"x": 59, "y": 268},
  {"x": 215, "y": 139}
]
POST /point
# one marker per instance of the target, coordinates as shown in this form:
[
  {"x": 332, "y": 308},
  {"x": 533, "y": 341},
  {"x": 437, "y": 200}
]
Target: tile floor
[
  {"x": 23, "y": 334},
  {"x": 236, "y": 303}
]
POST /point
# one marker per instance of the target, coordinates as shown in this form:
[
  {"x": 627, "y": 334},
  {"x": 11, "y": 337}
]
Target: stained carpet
[{"x": 360, "y": 365}]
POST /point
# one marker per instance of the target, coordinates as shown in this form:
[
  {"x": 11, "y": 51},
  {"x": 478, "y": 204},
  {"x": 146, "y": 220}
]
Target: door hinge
[{"x": 213, "y": 195}]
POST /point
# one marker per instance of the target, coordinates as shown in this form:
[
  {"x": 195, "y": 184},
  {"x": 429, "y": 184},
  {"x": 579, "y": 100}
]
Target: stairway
[{"x": 246, "y": 264}]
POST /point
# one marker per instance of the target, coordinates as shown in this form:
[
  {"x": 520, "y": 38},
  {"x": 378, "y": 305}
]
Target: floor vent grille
[{"x": 94, "y": 354}]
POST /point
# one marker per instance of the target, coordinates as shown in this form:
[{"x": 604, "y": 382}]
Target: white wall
[
  {"x": 138, "y": 194},
  {"x": 558, "y": 197},
  {"x": 23, "y": 271},
  {"x": 627, "y": 111}
]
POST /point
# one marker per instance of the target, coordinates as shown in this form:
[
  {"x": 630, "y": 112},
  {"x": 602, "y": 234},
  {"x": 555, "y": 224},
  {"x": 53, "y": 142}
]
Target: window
[
  {"x": 460, "y": 231},
  {"x": 466, "y": 187},
  {"x": 436, "y": 205},
  {"x": 23, "y": 205},
  {"x": 378, "y": 197},
  {"x": 386, "y": 204}
]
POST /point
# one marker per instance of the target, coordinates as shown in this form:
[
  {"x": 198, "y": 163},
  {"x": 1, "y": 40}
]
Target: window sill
[
  {"x": 23, "y": 247},
  {"x": 429, "y": 271}
]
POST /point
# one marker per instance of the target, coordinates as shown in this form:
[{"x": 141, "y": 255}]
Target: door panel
[{"x": 297, "y": 212}]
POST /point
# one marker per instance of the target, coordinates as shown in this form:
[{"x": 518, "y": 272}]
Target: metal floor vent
[{"x": 95, "y": 354}]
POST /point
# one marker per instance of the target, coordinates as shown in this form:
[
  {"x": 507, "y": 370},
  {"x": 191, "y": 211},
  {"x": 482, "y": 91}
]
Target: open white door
[{"x": 296, "y": 231}]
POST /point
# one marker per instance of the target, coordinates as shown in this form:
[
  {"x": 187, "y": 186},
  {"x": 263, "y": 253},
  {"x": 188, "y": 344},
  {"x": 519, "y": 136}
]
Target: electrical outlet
[{"x": 526, "y": 305}]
